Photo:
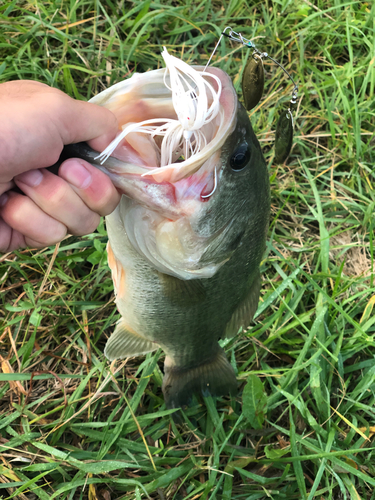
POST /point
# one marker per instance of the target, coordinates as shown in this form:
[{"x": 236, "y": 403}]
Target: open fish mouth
[
  {"x": 156, "y": 139},
  {"x": 169, "y": 159}
]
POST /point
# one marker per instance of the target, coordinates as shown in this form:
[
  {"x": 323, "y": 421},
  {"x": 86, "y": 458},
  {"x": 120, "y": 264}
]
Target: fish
[{"x": 186, "y": 240}]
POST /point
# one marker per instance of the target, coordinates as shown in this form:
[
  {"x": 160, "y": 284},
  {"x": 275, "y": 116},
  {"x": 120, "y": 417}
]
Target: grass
[{"x": 72, "y": 426}]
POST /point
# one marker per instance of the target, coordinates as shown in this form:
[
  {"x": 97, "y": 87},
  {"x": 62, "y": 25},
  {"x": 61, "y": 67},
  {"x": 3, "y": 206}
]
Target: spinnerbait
[{"x": 252, "y": 86}]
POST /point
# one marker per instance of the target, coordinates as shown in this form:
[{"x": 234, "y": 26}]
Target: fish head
[{"x": 187, "y": 218}]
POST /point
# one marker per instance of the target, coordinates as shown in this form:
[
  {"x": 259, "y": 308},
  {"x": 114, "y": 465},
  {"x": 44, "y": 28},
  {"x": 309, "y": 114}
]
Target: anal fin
[{"x": 124, "y": 343}]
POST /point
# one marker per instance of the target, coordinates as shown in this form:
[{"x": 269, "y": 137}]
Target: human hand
[{"x": 36, "y": 122}]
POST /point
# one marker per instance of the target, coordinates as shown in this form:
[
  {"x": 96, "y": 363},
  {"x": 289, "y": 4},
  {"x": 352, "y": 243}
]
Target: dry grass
[{"x": 74, "y": 427}]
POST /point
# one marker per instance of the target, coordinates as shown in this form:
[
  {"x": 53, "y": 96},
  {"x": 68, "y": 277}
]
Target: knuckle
[
  {"x": 60, "y": 232},
  {"x": 62, "y": 106},
  {"x": 5, "y": 237},
  {"x": 33, "y": 243},
  {"x": 21, "y": 215},
  {"x": 58, "y": 191},
  {"x": 108, "y": 201},
  {"x": 8, "y": 151},
  {"x": 87, "y": 225},
  {"x": 104, "y": 203},
  {"x": 53, "y": 155},
  {"x": 14, "y": 211},
  {"x": 55, "y": 233},
  {"x": 57, "y": 102}
]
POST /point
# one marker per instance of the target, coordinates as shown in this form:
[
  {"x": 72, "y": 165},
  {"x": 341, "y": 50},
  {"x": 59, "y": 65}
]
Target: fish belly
[
  {"x": 185, "y": 318},
  {"x": 174, "y": 314}
]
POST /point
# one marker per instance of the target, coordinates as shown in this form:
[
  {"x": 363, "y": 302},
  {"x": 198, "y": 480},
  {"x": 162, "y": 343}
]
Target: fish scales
[{"x": 186, "y": 268}]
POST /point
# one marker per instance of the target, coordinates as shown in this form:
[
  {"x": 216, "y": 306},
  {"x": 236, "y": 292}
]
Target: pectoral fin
[
  {"x": 245, "y": 311},
  {"x": 124, "y": 343},
  {"x": 118, "y": 272}
]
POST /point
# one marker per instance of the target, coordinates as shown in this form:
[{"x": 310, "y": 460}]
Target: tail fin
[{"x": 215, "y": 377}]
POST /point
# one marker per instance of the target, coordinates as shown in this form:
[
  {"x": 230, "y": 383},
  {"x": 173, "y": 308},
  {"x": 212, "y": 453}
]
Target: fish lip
[
  {"x": 141, "y": 84},
  {"x": 160, "y": 197}
]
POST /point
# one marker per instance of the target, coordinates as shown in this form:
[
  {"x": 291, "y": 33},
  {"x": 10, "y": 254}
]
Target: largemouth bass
[{"x": 187, "y": 238}]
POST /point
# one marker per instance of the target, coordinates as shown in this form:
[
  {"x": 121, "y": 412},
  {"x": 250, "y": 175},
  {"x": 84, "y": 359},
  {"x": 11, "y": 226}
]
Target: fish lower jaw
[{"x": 183, "y": 198}]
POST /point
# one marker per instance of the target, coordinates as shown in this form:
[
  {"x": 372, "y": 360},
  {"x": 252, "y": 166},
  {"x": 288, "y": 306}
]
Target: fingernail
[
  {"x": 31, "y": 178},
  {"x": 77, "y": 174},
  {"x": 3, "y": 199}
]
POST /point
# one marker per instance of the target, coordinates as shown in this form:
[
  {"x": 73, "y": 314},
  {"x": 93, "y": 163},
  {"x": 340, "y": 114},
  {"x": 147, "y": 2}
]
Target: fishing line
[
  {"x": 252, "y": 89},
  {"x": 197, "y": 103}
]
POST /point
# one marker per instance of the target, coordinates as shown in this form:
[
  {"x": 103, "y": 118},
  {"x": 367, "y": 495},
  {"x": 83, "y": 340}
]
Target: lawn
[{"x": 74, "y": 426}]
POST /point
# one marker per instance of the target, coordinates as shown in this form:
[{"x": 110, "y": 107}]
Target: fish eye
[{"x": 240, "y": 157}]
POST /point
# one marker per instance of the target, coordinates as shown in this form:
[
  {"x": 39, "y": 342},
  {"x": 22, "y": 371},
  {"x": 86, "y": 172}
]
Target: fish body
[{"x": 186, "y": 241}]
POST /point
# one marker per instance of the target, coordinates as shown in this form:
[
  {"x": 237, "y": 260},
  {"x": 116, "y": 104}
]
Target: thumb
[{"x": 84, "y": 121}]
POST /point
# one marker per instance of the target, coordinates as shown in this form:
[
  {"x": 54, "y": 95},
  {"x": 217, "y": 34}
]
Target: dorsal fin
[{"x": 244, "y": 313}]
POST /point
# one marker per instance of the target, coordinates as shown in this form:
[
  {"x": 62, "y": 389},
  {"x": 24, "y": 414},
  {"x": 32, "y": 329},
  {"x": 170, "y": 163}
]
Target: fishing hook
[{"x": 214, "y": 189}]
